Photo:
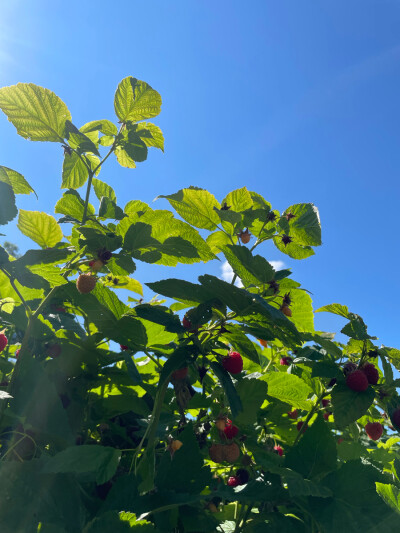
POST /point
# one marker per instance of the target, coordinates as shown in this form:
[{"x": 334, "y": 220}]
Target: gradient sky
[{"x": 297, "y": 100}]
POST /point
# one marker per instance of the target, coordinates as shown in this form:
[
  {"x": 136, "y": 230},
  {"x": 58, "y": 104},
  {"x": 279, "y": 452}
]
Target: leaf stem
[{"x": 12, "y": 283}]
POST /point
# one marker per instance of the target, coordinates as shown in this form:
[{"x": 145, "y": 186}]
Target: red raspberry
[
  {"x": 326, "y": 415},
  {"x": 233, "y": 363},
  {"x": 340, "y": 440},
  {"x": 230, "y": 430},
  {"x": 180, "y": 374},
  {"x": 293, "y": 414},
  {"x": 357, "y": 381},
  {"x": 3, "y": 341},
  {"x": 374, "y": 430},
  {"x": 371, "y": 372},
  {"x": 285, "y": 361},
  {"x": 187, "y": 324},
  {"x": 16, "y": 353},
  {"x": 278, "y": 449},
  {"x": 233, "y": 481},
  {"x": 123, "y": 347},
  {"x": 325, "y": 403}
]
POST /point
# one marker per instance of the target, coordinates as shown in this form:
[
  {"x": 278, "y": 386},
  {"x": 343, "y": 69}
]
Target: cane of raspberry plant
[
  {"x": 374, "y": 430},
  {"x": 233, "y": 363},
  {"x": 357, "y": 381}
]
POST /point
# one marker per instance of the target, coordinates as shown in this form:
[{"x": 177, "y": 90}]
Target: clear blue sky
[{"x": 297, "y": 100}]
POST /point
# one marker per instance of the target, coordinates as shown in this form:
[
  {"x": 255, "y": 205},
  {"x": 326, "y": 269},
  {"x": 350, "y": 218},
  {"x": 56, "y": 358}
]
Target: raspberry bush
[{"x": 193, "y": 406}]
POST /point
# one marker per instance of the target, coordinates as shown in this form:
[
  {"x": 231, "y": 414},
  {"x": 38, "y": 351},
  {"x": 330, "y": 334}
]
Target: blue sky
[{"x": 296, "y": 100}]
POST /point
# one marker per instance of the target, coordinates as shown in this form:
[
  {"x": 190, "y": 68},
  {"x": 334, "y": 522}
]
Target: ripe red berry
[
  {"x": 16, "y": 353},
  {"x": 230, "y": 430},
  {"x": 374, "y": 430},
  {"x": 357, "y": 381},
  {"x": 181, "y": 373},
  {"x": 371, "y": 372},
  {"x": 3, "y": 341},
  {"x": 278, "y": 449},
  {"x": 293, "y": 414},
  {"x": 233, "y": 482},
  {"x": 325, "y": 403},
  {"x": 85, "y": 283},
  {"x": 326, "y": 415},
  {"x": 285, "y": 361},
  {"x": 233, "y": 363},
  {"x": 123, "y": 347},
  {"x": 340, "y": 440}
]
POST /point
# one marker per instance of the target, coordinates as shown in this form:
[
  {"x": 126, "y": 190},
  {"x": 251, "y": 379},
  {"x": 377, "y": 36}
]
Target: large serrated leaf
[
  {"x": 348, "y": 405},
  {"x": 37, "y": 113},
  {"x": 16, "y": 181},
  {"x": 288, "y": 388},
  {"x": 136, "y": 100},
  {"x": 196, "y": 206},
  {"x": 40, "y": 227}
]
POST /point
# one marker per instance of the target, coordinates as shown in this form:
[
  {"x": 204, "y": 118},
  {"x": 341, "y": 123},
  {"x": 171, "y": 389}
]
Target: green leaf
[
  {"x": 239, "y": 200},
  {"x": 326, "y": 369},
  {"x": 390, "y": 494},
  {"x": 252, "y": 393},
  {"x": 78, "y": 140},
  {"x": 36, "y": 401},
  {"x": 160, "y": 315},
  {"x": 241, "y": 343},
  {"x": 75, "y": 172},
  {"x": 356, "y": 329},
  {"x": 71, "y": 204},
  {"x": 50, "y": 273},
  {"x": 181, "y": 290},
  {"x": 185, "y": 472},
  {"x": 298, "y": 486},
  {"x": 355, "y": 505},
  {"x": 109, "y": 209},
  {"x": 40, "y": 227},
  {"x": 103, "y": 189},
  {"x": 37, "y": 113},
  {"x": 305, "y": 227},
  {"x": 217, "y": 240},
  {"x": 225, "y": 379},
  {"x": 288, "y": 388},
  {"x": 131, "y": 149},
  {"x": 336, "y": 309},
  {"x": 135, "y": 100},
  {"x": 98, "y": 462},
  {"x": 293, "y": 250},
  {"x": 104, "y": 126},
  {"x": 8, "y": 209},
  {"x": 315, "y": 453},
  {"x": 150, "y": 134},
  {"x": 348, "y": 405},
  {"x": 16, "y": 181},
  {"x": 196, "y": 206},
  {"x": 251, "y": 269}
]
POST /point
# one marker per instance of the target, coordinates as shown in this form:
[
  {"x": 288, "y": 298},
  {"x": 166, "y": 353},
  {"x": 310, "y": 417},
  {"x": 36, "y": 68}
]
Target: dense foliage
[{"x": 217, "y": 408}]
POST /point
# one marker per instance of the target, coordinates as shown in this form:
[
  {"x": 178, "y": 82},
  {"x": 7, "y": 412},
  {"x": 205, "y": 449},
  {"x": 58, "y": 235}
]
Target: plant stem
[
  {"x": 309, "y": 416},
  {"x": 89, "y": 185}
]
